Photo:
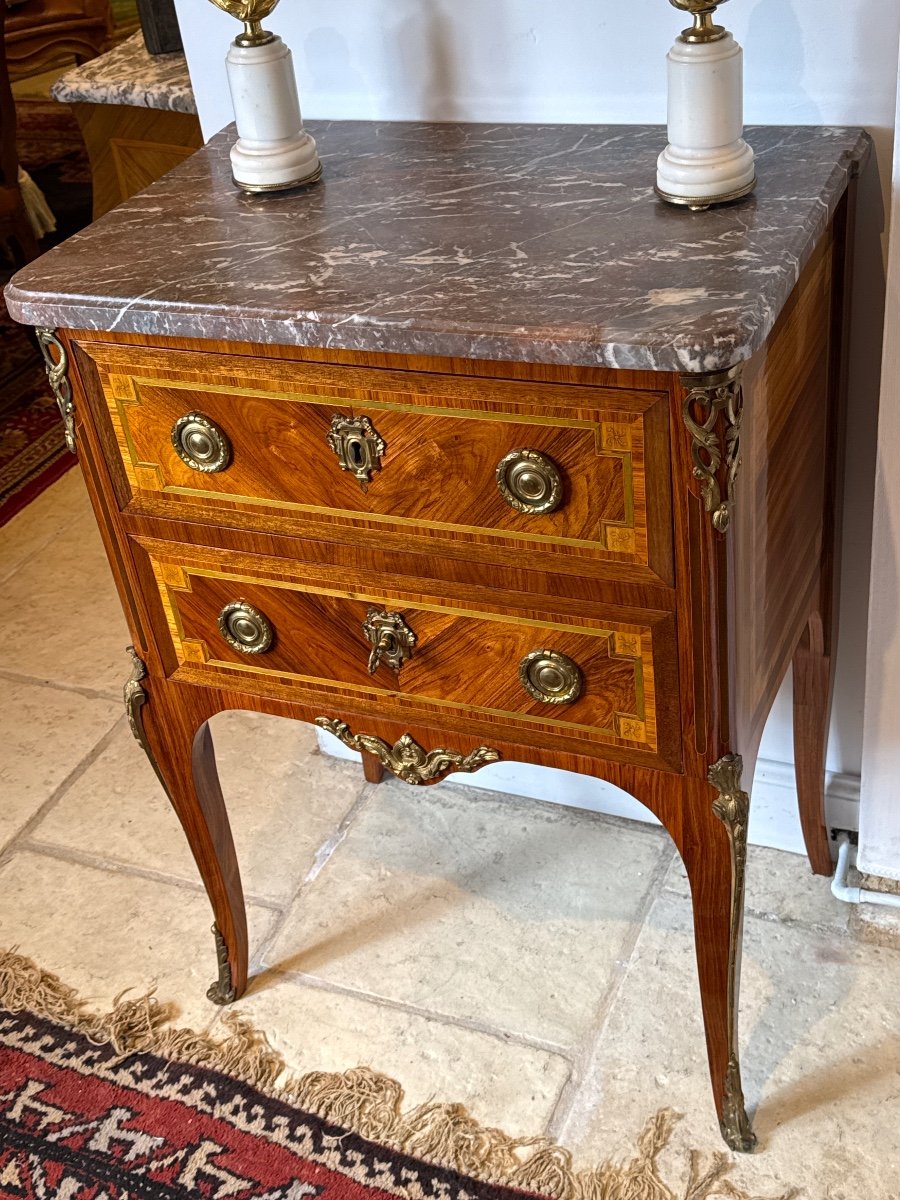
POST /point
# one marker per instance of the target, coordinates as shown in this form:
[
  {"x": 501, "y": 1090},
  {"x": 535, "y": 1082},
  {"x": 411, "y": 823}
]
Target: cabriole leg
[
  {"x": 184, "y": 760},
  {"x": 813, "y": 687}
]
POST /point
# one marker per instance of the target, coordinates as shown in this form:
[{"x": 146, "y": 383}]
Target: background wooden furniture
[
  {"x": 544, "y": 540},
  {"x": 42, "y": 34},
  {"x": 137, "y": 115},
  {"x": 17, "y": 240},
  {"x": 129, "y": 148}
]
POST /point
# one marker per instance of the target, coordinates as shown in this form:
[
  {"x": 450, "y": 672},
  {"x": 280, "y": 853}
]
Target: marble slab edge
[
  {"x": 690, "y": 352},
  {"x": 128, "y": 75}
]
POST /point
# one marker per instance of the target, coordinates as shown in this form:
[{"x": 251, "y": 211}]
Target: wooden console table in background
[
  {"x": 137, "y": 116},
  {"x": 475, "y": 451}
]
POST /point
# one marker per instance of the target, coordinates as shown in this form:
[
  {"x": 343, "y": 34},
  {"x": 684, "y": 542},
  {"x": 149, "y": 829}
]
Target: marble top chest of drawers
[{"x": 475, "y": 451}]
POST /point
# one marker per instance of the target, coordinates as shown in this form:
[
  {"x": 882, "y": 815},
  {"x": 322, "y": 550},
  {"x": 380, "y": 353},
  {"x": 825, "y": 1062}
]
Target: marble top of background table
[
  {"x": 129, "y": 75},
  {"x": 506, "y": 242}
]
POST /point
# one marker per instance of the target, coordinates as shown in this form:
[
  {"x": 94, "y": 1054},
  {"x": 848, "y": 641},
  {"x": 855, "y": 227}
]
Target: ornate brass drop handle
[
  {"x": 245, "y": 628},
  {"x": 529, "y": 481},
  {"x": 200, "y": 443},
  {"x": 391, "y": 639},
  {"x": 551, "y": 677}
]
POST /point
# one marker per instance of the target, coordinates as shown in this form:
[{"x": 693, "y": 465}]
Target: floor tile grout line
[
  {"x": 573, "y": 1088},
  {"x": 60, "y": 790},
  {"x": 441, "y": 1018},
  {"x": 322, "y": 857},
  {"x": 59, "y": 686},
  {"x": 772, "y": 918},
  {"x": 115, "y": 866}
]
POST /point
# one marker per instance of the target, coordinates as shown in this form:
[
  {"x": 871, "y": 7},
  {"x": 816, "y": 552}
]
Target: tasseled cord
[
  {"x": 36, "y": 207},
  {"x": 368, "y": 1104}
]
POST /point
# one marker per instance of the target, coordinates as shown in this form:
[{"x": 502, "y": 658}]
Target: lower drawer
[{"x": 606, "y": 680}]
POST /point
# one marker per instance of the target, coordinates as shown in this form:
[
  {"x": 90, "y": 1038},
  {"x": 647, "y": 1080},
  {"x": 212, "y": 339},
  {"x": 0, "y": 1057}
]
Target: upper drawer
[{"x": 494, "y": 468}]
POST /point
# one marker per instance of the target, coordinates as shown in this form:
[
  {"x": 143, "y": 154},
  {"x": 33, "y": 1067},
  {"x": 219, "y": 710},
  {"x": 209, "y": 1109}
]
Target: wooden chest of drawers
[{"x": 450, "y": 559}]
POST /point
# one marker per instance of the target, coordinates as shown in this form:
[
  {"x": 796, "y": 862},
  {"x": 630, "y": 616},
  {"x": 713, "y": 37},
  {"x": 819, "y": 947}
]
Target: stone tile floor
[{"x": 531, "y": 961}]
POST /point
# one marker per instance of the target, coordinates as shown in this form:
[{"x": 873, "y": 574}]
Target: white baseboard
[{"x": 773, "y": 813}]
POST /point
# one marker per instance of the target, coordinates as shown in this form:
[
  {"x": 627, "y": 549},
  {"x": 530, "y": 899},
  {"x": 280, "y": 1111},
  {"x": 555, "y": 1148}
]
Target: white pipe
[{"x": 854, "y": 895}]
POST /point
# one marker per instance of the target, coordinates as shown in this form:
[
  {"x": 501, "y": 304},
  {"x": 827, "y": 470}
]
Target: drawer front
[
  {"x": 269, "y": 624},
  {"x": 431, "y": 458}
]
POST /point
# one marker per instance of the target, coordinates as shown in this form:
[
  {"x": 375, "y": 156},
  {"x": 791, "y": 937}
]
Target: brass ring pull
[
  {"x": 550, "y": 677},
  {"x": 529, "y": 481},
  {"x": 391, "y": 639},
  {"x": 200, "y": 443},
  {"x": 245, "y": 628}
]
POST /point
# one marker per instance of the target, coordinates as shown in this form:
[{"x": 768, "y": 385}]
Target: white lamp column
[
  {"x": 707, "y": 160},
  {"x": 273, "y": 151}
]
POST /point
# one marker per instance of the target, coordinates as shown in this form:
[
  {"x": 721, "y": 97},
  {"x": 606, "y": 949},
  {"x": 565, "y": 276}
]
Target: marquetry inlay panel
[
  {"x": 437, "y": 476},
  {"x": 466, "y": 658}
]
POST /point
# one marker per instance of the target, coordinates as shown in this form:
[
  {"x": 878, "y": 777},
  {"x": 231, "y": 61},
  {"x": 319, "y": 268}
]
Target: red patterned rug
[
  {"x": 33, "y": 451},
  {"x": 123, "y": 1107}
]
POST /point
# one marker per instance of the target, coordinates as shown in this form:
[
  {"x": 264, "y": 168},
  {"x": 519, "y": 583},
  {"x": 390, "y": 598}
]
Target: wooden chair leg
[
  {"x": 176, "y": 738},
  {"x": 372, "y": 768},
  {"x": 713, "y": 844},
  {"x": 813, "y": 688}
]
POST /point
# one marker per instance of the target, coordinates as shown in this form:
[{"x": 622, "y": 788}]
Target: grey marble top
[
  {"x": 525, "y": 242},
  {"x": 129, "y": 75}
]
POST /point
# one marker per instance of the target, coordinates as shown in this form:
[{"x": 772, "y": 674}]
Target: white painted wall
[
  {"x": 807, "y": 61},
  {"x": 879, "y": 834}
]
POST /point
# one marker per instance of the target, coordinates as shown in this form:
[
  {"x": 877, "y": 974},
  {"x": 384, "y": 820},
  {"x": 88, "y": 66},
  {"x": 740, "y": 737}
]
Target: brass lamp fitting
[
  {"x": 703, "y": 29},
  {"x": 252, "y": 13}
]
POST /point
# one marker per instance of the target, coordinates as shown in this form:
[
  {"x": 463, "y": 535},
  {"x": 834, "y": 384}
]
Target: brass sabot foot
[{"x": 222, "y": 991}]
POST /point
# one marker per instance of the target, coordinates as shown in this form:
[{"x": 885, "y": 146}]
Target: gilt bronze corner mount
[
  {"x": 57, "y": 368},
  {"x": 136, "y": 697},
  {"x": 716, "y": 455}
]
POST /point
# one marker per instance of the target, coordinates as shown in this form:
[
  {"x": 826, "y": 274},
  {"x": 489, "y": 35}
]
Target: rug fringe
[{"x": 368, "y": 1104}]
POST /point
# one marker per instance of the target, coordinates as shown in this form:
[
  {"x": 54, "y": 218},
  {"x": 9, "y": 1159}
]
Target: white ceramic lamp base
[
  {"x": 707, "y": 160},
  {"x": 273, "y": 151}
]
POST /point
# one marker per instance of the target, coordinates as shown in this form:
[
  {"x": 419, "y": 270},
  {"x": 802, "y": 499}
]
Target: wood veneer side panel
[
  {"x": 130, "y": 147},
  {"x": 776, "y": 542},
  {"x": 696, "y": 602},
  {"x": 92, "y": 458}
]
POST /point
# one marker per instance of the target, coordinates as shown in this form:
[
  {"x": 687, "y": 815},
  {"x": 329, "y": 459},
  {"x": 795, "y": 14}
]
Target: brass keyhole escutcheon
[
  {"x": 529, "y": 481},
  {"x": 200, "y": 443},
  {"x": 245, "y": 628},
  {"x": 551, "y": 677},
  {"x": 390, "y": 637},
  {"x": 358, "y": 446}
]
